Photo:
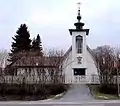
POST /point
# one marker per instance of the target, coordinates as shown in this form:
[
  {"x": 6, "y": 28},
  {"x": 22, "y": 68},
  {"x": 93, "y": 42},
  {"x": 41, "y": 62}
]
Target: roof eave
[{"x": 79, "y": 30}]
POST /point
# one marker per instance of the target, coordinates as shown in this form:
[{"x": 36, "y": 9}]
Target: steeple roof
[{"x": 79, "y": 25}]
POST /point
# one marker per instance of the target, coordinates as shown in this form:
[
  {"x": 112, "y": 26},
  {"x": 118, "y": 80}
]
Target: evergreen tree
[
  {"x": 36, "y": 44},
  {"x": 21, "y": 41}
]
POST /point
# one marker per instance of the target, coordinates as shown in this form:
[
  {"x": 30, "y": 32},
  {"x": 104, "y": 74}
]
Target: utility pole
[
  {"x": 118, "y": 81},
  {"x": 118, "y": 88}
]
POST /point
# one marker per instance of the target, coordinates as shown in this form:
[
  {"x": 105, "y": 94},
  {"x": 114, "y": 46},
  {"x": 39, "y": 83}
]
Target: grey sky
[{"x": 52, "y": 19}]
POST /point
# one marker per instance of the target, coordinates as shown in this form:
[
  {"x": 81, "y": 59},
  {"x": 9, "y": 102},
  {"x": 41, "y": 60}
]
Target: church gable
[
  {"x": 66, "y": 55},
  {"x": 79, "y": 60}
]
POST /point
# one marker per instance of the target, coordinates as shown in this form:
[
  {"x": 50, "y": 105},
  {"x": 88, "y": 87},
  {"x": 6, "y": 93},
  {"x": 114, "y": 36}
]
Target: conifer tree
[
  {"x": 36, "y": 44},
  {"x": 22, "y": 41}
]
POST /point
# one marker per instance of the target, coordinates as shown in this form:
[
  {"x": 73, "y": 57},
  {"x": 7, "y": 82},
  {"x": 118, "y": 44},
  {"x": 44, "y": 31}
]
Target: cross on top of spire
[
  {"x": 78, "y": 5},
  {"x": 78, "y": 8}
]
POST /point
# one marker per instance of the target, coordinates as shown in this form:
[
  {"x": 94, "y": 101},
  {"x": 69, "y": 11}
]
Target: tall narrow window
[{"x": 79, "y": 43}]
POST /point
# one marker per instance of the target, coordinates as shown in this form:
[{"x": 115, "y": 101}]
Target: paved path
[{"x": 77, "y": 93}]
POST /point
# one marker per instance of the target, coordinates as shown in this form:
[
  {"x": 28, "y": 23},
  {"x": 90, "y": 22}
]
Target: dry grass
[{"x": 98, "y": 95}]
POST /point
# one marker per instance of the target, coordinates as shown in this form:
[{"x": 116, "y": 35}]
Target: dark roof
[
  {"x": 29, "y": 61},
  {"x": 36, "y": 61}
]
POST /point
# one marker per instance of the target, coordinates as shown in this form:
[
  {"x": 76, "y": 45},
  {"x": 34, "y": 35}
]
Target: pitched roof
[
  {"x": 37, "y": 61},
  {"x": 29, "y": 61}
]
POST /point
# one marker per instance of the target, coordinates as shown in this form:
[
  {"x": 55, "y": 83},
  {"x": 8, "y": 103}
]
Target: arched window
[{"x": 79, "y": 43}]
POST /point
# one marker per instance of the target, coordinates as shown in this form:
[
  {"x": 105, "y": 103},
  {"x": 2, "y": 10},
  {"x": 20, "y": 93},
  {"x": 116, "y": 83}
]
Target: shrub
[
  {"x": 29, "y": 91},
  {"x": 108, "y": 89}
]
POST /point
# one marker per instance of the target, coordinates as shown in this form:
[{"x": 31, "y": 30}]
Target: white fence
[
  {"x": 30, "y": 80},
  {"x": 82, "y": 80},
  {"x": 93, "y": 79},
  {"x": 47, "y": 79}
]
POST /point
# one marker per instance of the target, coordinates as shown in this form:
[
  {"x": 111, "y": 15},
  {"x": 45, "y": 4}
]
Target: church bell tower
[{"x": 79, "y": 46}]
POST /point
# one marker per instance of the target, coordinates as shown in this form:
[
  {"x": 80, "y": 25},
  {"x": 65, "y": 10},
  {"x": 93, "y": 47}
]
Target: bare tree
[
  {"x": 105, "y": 61},
  {"x": 3, "y": 59},
  {"x": 55, "y": 58}
]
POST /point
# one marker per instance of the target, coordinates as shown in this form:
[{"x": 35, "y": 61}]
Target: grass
[
  {"x": 59, "y": 95},
  {"x": 101, "y": 96},
  {"x": 62, "y": 94}
]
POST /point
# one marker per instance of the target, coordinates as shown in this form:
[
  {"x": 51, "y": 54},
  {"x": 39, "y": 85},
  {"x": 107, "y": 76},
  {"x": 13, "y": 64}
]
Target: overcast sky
[{"x": 52, "y": 19}]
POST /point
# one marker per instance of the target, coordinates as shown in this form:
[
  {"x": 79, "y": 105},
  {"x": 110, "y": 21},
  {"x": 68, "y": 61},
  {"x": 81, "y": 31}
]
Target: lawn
[{"x": 98, "y": 95}]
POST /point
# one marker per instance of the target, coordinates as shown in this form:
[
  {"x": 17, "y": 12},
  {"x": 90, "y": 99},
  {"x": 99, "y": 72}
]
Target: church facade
[{"x": 79, "y": 65}]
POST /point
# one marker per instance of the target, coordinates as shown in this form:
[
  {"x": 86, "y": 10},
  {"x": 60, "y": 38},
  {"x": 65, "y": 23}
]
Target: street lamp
[{"x": 118, "y": 75}]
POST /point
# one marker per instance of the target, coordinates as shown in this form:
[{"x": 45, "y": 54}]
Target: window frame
[{"x": 79, "y": 44}]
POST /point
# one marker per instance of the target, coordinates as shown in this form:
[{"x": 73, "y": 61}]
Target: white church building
[{"x": 79, "y": 65}]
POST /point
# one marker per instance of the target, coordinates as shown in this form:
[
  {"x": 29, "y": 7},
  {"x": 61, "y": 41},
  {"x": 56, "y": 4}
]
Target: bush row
[
  {"x": 108, "y": 89},
  {"x": 40, "y": 91}
]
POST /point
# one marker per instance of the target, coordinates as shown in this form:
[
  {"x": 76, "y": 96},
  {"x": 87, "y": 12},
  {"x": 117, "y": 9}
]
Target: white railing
[
  {"x": 93, "y": 79},
  {"x": 30, "y": 80},
  {"x": 90, "y": 79}
]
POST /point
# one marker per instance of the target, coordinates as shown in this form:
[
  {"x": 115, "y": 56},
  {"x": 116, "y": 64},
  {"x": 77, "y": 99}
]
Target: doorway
[{"x": 79, "y": 71}]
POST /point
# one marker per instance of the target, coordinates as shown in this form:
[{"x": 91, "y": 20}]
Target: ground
[
  {"x": 77, "y": 93},
  {"x": 101, "y": 96},
  {"x": 29, "y": 92},
  {"x": 62, "y": 104}
]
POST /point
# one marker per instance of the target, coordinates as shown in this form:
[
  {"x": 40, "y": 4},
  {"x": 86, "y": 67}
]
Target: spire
[{"x": 79, "y": 25}]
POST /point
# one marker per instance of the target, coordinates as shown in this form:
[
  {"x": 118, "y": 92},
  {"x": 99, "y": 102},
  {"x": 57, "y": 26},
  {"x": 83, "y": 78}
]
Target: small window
[{"x": 79, "y": 43}]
